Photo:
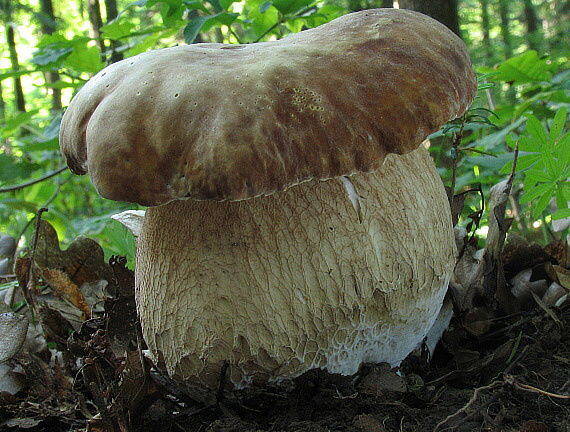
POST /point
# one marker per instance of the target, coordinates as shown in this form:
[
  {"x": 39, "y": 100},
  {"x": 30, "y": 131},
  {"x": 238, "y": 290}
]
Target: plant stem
[{"x": 33, "y": 182}]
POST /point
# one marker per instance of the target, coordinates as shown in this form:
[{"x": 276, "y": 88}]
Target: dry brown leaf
[
  {"x": 563, "y": 276},
  {"x": 83, "y": 260},
  {"x": 64, "y": 287}
]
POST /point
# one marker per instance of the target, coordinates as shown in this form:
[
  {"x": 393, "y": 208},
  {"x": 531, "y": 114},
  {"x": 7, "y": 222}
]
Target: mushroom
[{"x": 295, "y": 220}]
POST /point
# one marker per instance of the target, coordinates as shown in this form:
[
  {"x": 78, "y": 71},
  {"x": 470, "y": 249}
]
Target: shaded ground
[
  {"x": 490, "y": 372},
  {"x": 512, "y": 378}
]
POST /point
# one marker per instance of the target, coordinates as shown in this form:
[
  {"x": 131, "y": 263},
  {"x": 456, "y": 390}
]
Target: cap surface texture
[{"x": 231, "y": 122}]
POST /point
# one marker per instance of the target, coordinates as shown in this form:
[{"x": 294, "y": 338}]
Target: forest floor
[{"x": 492, "y": 371}]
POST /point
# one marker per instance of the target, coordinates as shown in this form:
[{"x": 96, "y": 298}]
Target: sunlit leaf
[
  {"x": 193, "y": 28},
  {"x": 538, "y": 191},
  {"x": 117, "y": 29},
  {"x": 535, "y": 129},
  {"x": 525, "y": 68},
  {"x": 561, "y": 214},
  {"x": 264, "y": 6},
  {"x": 528, "y": 144},
  {"x": 557, "y": 125},
  {"x": 49, "y": 56},
  {"x": 225, "y": 4},
  {"x": 539, "y": 176},
  {"x": 85, "y": 59}
]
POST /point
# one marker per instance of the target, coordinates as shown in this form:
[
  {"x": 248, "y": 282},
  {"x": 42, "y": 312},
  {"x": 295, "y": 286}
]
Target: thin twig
[
  {"x": 33, "y": 182},
  {"x": 457, "y": 137},
  {"x": 30, "y": 273},
  {"x": 463, "y": 411},
  {"x": 509, "y": 379}
]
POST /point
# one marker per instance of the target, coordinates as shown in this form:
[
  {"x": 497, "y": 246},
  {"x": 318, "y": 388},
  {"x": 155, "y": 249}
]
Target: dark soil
[{"x": 514, "y": 377}]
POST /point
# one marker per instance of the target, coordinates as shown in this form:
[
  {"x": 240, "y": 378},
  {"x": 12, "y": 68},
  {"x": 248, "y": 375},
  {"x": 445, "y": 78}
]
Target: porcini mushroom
[{"x": 295, "y": 220}]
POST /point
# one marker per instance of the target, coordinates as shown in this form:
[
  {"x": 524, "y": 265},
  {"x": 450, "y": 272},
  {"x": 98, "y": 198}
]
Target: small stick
[
  {"x": 509, "y": 379},
  {"x": 463, "y": 411},
  {"x": 29, "y": 285}
]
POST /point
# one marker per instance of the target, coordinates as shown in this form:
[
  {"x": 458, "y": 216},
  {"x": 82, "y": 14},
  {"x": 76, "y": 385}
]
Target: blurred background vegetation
[{"x": 520, "y": 49}]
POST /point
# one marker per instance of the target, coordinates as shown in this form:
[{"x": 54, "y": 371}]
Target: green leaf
[
  {"x": 289, "y": 7},
  {"x": 13, "y": 169},
  {"x": 192, "y": 5},
  {"x": 194, "y": 27},
  {"x": 264, "y": 6},
  {"x": 225, "y": 18},
  {"x": 497, "y": 138},
  {"x": 204, "y": 23},
  {"x": 561, "y": 214},
  {"x": 261, "y": 22},
  {"x": 562, "y": 150},
  {"x": 171, "y": 12},
  {"x": 216, "y": 4},
  {"x": 48, "y": 56},
  {"x": 117, "y": 29},
  {"x": 528, "y": 144},
  {"x": 538, "y": 191},
  {"x": 18, "y": 204},
  {"x": 535, "y": 129},
  {"x": 85, "y": 59},
  {"x": 526, "y": 68},
  {"x": 539, "y": 176},
  {"x": 551, "y": 164},
  {"x": 561, "y": 198},
  {"x": 19, "y": 119},
  {"x": 512, "y": 143},
  {"x": 225, "y": 4},
  {"x": 542, "y": 202},
  {"x": 563, "y": 143},
  {"x": 557, "y": 125},
  {"x": 523, "y": 162}
]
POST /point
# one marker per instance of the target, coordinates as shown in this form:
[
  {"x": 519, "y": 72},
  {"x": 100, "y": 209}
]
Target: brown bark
[
  {"x": 95, "y": 24},
  {"x": 445, "y": 11},
  {"x": 2, "y": 103},
  {"x": 532, "y": 25},
  {"x": 505, "y": 29},
  {"x": 485, "y": 28},
  {"x": 48, "y": 25},
  {"x": 112, "y": 13},
  {"x": 18, "y": 90}
]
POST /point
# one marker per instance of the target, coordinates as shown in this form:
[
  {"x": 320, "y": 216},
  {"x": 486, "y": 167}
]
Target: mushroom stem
[{"x": 282, "y": 284}]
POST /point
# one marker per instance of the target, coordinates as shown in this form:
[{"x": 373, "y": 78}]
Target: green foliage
[
  {"x": 522, "y": 99},
  {"x": 516, "y": 101},
  {"x": 545, "y": 164}
]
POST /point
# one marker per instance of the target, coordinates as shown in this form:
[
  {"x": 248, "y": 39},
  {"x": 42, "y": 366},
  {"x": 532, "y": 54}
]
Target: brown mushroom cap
[{"x": 230, "y": 122}]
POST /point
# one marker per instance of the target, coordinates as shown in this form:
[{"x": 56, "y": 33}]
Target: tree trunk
[
  {"x": 2, "y": 104},
  {"x": 112, "y": 13},
  {"x": 532, "y": 25},
  {"x": 18, "y": 90},
  {"x": 445, "y": 11},
  {"x": 95, "y": 24},
  {"x": 485, "y": 28},
  {"x": 505, "y": 30},
  {"x": 48, "y": 20}
]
